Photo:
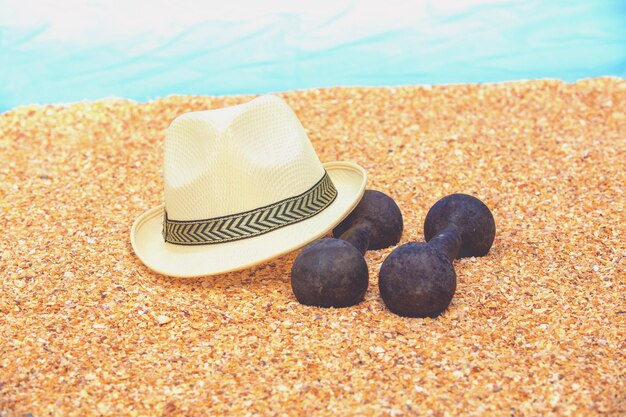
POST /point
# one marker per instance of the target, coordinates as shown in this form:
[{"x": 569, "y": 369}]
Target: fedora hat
[{"x": 243, "y": 185}]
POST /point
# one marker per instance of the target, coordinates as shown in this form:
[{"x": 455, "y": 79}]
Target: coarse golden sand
[{"x": 537, "y": 327}]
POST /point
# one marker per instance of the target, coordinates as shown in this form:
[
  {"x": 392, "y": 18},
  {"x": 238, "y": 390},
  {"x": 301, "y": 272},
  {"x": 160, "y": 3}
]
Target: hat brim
[{"x": 202, "y": 260}]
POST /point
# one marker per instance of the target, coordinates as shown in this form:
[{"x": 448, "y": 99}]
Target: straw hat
[{"x": 243, "y": 184}]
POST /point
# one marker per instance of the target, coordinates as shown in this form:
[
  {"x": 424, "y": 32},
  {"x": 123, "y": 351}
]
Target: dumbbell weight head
[
  {"x": 329, "y": 273},
  {"x": 416, "y": 280},
  {"x": 472, "y": 219},
  {"x": 375, "y": 223}
]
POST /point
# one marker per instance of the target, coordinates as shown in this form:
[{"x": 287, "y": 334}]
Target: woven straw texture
[{"x": 218, "y": 163}]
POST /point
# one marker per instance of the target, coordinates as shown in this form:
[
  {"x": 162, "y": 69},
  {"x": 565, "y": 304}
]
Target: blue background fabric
[{"x": 76, "y": 49}]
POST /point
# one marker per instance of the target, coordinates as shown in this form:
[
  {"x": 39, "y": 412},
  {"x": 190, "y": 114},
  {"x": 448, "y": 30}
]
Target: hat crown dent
[{"x": 231, "y": 160}]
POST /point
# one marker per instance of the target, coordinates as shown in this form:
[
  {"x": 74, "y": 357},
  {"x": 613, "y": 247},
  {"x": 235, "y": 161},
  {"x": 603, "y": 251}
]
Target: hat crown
[{"x": 231, "y": 160}]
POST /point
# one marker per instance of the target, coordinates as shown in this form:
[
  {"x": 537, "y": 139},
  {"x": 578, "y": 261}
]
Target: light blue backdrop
[{"x": 75, "y": 49}]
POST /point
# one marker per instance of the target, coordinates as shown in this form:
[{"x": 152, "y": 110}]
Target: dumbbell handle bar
[{"x": 448, "y": 242}]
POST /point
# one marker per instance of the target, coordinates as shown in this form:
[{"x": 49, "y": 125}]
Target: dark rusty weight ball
[
  {"x": 329, "y": 273},
  {"x": 471, "y": 218},
  {"x": 375, "y": 223},
  {"x": 416, "y": 280}
]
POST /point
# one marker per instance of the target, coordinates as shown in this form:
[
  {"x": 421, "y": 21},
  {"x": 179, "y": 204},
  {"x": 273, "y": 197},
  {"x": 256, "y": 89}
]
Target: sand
[{"x": 536, "y": 327}]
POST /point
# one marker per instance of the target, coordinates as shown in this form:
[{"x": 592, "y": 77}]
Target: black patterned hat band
[{"x": 254, "y": 222}]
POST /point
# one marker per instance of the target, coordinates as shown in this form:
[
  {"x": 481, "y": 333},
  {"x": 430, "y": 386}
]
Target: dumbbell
[
  {"x": 418, "y": 279},
  {"x": 332, "y": 272}
]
